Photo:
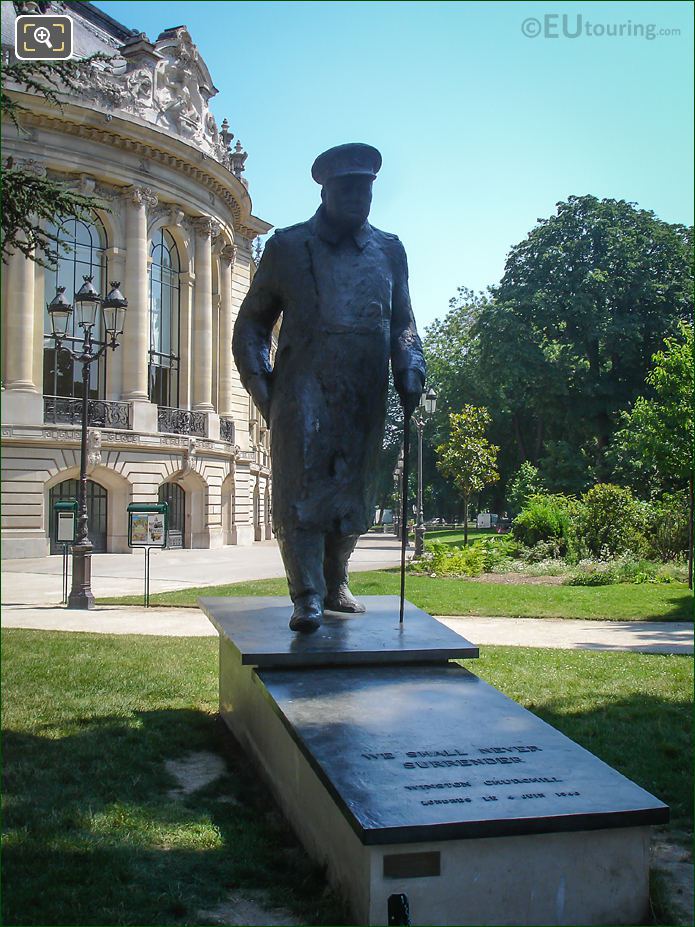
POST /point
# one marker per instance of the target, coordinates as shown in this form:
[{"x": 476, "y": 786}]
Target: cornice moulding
[{"x": 147, "y": 141}]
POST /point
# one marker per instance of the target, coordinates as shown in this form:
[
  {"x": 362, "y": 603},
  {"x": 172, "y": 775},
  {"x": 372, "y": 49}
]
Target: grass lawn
[
  {"x": 453, "y": 537},
  {"x": 92, "y": 835},
  {"x": 451, "y": 596}
]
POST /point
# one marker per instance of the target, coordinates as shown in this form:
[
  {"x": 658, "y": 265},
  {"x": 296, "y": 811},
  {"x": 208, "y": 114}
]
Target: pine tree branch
[
  {"x": 44, "y": 78},
  {"x": 26, "y": 200}
]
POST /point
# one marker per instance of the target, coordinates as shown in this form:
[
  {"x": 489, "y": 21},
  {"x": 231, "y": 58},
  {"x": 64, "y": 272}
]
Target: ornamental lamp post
[
  {"x": 59, "y": 311},
  {"x": 113, "y": 309},
  {"x": 87, "y": 305},
  {"x": 400, "y": 466},
  {"x": 428, "y": 406},
  {"x": 397, "y": 472},
  {"x": 87, "y": 302}
]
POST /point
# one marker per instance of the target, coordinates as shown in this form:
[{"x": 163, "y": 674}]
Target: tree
[
  {"x": 456, "y": 370},
  {"x": 653, "y": 450},
  {"x": 467, "y": 458},
  {"x": 525, "y": 483},
  {"x": 583, "y": 304},
  {"x": 391, "y": 445},
  {"x": 28, "y": 197},
  {"x": 562, "y": 346}
]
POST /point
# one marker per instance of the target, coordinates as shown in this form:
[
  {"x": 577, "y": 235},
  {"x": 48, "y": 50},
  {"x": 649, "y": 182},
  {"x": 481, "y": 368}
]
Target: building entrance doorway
[
  {"x": 97, "y": 512},
  {"x": 176, "y": 498}
]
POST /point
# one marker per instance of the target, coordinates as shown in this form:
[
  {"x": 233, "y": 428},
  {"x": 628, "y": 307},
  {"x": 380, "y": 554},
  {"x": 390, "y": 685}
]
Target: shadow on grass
[
  {"x": 682, "y": 608},
  {"x": 676, "y": 638},
  {"x": 94, "y": 835}
]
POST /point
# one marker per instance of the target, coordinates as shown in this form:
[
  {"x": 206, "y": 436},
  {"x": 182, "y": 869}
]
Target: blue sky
[{"x": 482, "y": 129}]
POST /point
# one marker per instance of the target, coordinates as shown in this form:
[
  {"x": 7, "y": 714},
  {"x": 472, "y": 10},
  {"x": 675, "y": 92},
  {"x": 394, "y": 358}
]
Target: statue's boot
[
  {"x": 307, "y": 614},
  {"x": 342, "y": 600},
  {"x": 335, "y": 570},
  {"x": 302, "y": 554}
]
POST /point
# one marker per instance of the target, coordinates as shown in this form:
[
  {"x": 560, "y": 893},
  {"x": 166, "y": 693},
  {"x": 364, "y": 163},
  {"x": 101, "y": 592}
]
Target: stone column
[
  {"x": 186, "y": 291},
  {"x": 20, "y": 327},
  {"x": 226, "y": 373},
  {"x": 136, "y": 335},
  {"x": 202, "y": 316}
]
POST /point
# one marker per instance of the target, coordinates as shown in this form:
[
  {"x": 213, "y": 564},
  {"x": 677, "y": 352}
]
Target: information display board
[
  {"x": 65, "y": 522},
  {"x": 148, "y": 525}
]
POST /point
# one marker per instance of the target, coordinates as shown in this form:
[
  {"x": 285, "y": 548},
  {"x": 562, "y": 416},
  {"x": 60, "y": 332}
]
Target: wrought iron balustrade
[
  {"x": 182, "y": 422},
  {"x": 101, "y": 413},
  {"x": 227, "y": 430}
]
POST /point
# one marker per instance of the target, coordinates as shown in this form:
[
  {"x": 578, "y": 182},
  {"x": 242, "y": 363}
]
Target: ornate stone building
[{"x": 169, "y": 419}]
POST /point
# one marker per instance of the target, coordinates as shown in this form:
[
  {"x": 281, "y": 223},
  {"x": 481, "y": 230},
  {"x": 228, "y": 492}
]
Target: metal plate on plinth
[
  {"x": 257, "y": 627},
  {"x": 422, "y": 753}
]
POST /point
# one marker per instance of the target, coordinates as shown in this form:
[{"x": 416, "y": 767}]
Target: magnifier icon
[{"x": 44, "y": 36}]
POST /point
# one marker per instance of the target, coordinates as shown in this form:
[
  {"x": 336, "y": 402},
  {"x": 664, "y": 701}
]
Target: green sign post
[
  {"x": 64, "y": 533},
  {"x": 148, "y": 527}
]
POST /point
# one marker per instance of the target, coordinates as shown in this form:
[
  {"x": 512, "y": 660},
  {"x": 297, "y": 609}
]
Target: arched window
[
  {"x": 84, "y": 253},
  {"x": 164, "y": 320}
]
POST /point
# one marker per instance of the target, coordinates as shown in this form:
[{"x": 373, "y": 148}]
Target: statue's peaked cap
[{"x": 353, "y": 158}]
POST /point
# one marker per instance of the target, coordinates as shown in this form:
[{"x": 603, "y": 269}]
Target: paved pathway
[
  {"x": 31, "y": 591},
  {"x": 572, "y": 634},
  {"x": 642, "y": 636},
  {"x": 39, "y": 581}
]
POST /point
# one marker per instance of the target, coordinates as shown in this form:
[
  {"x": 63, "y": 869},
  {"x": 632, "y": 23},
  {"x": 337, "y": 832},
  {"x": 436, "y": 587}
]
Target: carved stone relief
[{"x": 167, "y": 84}]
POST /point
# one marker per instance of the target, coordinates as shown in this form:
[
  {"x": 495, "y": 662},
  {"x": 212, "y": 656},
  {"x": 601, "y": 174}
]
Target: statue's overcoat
[{"x": 345, "y": 313}]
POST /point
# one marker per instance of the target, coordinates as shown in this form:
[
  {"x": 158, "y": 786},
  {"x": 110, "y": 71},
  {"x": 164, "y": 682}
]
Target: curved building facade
[{"x": 168, "y": 417}]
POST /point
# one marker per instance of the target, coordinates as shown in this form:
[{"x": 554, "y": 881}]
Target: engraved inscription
[
  {"x": 524, "y": 781},
  {"x": 425, "y": 787},
  {"x": 117, "y": 437},
  {"x": 167, "y": 441},
  {"x": 452, "y": 757},
  {"x": 447, "y": 801},
  {"x": 61, "y": 435},
  {"x": 474, "y": 761}
]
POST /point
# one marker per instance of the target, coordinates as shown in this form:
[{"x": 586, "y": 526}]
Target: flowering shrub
[{"x": 622, "y": 570}]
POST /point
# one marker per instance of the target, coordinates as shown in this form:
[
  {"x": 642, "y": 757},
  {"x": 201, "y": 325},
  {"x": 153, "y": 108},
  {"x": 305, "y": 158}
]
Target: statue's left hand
[
  {"x": 259, "y": 386},
  {"x": 409, "y": 387}
]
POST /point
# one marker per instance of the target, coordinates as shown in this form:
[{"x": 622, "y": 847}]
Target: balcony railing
[
  {"x": 61, "y": 410},
  {"x": 227, "y": 430},
  {"x": 182, "y": 422}
]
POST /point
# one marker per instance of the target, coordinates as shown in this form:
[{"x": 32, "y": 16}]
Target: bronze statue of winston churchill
[{"x": 341, "y": 286}]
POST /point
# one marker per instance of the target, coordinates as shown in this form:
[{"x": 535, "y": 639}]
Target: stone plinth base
[{"x": 420, "y": 780}]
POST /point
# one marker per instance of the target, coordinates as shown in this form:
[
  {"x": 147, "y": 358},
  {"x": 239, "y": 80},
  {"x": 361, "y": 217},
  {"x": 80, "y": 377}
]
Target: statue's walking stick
[{"x": 404, "y": 512}]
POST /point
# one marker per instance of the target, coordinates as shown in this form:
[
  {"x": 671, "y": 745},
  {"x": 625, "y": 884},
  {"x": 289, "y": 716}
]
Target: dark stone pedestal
[
  {"x": 81, "y": 595},
  {"x": 406, "y": 774},
  {"x": 256, "y": 627}
]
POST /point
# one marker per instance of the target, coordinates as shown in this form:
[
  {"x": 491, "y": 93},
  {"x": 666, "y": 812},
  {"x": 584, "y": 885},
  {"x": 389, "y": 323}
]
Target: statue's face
[{"x": 347, "y": 199}]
